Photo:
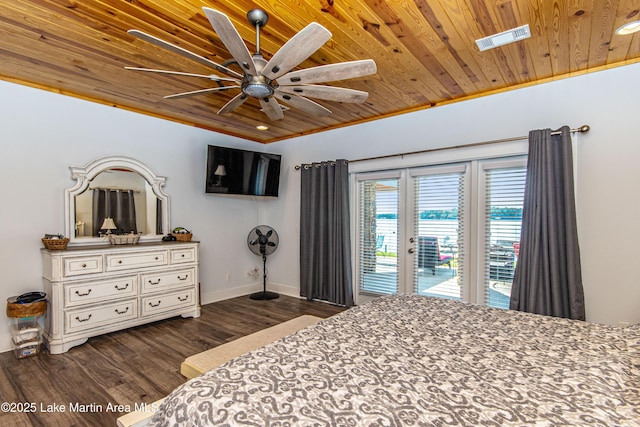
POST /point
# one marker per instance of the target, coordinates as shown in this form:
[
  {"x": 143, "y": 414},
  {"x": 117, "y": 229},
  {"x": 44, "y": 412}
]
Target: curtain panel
[
  {"x": 325, "y": 243},
  {"x": 117, "y": 204},
  {"x": 548, "y": 278}
]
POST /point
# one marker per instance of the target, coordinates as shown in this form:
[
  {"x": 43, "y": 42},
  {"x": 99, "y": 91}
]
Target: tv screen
[{"x": 235, "y": 171}]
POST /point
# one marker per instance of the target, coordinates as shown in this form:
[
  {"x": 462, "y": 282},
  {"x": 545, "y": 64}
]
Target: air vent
[{"x": 504, "y": 37}]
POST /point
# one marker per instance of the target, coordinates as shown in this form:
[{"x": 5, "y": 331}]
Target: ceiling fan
[{"x": 272, "y": 80}]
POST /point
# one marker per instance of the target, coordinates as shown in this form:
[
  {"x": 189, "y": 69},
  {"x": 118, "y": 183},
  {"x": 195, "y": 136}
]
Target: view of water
[{"x": 501, "y": 231}]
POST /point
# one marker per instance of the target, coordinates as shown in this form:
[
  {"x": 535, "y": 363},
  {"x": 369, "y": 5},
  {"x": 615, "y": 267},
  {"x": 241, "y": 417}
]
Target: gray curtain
[
  {"x": 325, "y": 245},
  {"x": 117, "y": 204},
  {"x": 548, "y": 278}
]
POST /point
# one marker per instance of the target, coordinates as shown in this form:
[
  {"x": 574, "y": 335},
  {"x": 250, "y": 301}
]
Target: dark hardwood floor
[{"x": 134, "y": 366}]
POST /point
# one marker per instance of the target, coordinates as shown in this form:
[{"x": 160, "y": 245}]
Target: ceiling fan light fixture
[
  {"x": 628, "y": 28},
  {"x": 257, "y": 89}
]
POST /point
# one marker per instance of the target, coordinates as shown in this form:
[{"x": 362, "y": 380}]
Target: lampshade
[
  {"x": 108, "y": 224},
  {"x": 220, "y": 171}
]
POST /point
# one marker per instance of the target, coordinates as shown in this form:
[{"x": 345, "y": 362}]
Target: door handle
[
  {"x": 411, "y": 250},
  {"x": 411, "y": 240}
]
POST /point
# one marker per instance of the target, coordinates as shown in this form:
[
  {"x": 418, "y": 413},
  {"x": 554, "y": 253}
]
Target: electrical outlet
[{"x": 254, "y": 272}]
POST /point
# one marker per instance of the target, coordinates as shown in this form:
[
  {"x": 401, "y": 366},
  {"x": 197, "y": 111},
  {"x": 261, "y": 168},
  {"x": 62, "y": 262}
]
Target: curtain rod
[{"x": 581, "y": 129}]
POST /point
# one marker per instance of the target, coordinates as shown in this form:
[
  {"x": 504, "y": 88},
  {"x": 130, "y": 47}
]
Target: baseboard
[
  {"x": 233, "y": 292},
  {"x": 238, "y": 291}
]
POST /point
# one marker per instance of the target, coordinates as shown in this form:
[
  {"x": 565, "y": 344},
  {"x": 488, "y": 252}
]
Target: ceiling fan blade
[
  {"x": 235, "y": 102},
  {"x": 231, "y": 39},
  {"x": 296, "y": 50},
  {"x": 200, "y": 92},
  {"x": 180, "y": 73},
  {"x": 328, "y": 73},
  {"x": 329, "y": 93},
  {"x": 304, "y": 104},
  {"x": 184, "y": 52},
  {"x": 271, "y": 108}
]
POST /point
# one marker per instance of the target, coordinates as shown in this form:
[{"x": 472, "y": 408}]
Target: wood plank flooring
[{"x": 134, "y": 366}]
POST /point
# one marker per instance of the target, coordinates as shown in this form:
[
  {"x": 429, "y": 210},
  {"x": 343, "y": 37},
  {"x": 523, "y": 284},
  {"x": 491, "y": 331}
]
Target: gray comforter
[{"x": 418, "y": 361}]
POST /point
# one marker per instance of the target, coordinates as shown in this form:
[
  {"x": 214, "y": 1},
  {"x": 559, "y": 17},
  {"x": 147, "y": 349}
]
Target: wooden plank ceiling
[{"x": 424, "y": 49}]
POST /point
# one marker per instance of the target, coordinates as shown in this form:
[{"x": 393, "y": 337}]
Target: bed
[{"x": 414, "y": 360}]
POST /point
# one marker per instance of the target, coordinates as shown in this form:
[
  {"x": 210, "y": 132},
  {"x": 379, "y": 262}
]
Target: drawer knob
[
  {"x": 182, "y": 255},
  {"x": 84, "y": 294},
  {"x": 186, "y": 297},
  {"x": 83, "y": 320},
  {"x": 120, "y": 261},
  {"x": 122, "y": 312},
  {"x": 186, "y": 276},
  {"x": 151, "y": 282},
  {"x": 126, "y": 285},
  {"x": 155, "y": 305},
  {"x": 84, "y": 265},
  {"x": 156, "y": 258}
]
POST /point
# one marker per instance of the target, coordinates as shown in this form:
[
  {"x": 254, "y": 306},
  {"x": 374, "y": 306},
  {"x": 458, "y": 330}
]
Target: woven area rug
[{"x": 202, "y": 362}]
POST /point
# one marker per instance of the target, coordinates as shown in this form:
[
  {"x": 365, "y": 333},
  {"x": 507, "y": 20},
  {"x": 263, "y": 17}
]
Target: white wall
[
  {"x": 608, "y": 172},
  {"x": 42, "y": 134}
]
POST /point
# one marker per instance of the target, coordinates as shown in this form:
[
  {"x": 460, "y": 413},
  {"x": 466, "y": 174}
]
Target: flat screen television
[{"x": 244, "y": 172}]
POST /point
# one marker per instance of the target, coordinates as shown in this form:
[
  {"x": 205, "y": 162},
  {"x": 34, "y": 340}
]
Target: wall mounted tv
[{"x": 235, "y": 171}]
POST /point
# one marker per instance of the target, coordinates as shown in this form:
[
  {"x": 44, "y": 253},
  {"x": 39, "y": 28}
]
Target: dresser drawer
[
  {"x": 166, "y": 302},
  {"x": 104, "y": 290},
  {"x": 128, "y": 261},
  {"x": 75, "y": 266},
  {"x": 102, "y": 315},
  {"x": 179, "y": 256},
  {"x": 152, "y": 282}
]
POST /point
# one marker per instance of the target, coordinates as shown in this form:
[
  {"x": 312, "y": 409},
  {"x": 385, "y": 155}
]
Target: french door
[
  {"x": 411, "y": 237},
  {"x": 449, "y": 231}
]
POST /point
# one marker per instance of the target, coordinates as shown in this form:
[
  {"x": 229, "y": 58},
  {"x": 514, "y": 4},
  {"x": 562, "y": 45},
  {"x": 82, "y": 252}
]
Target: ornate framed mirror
[{"x": 121, "y": 190}]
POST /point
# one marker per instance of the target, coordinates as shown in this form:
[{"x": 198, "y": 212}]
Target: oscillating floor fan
[{"x": 263, "y": 240}]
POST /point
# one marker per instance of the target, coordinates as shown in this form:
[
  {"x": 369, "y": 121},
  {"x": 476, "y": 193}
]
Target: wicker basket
[
  {"x": 124, "y": 239},
  {"x": 182, "y": 237},
  {"x": 56, "y": 244},
  {"x": 37, "y": 308}
]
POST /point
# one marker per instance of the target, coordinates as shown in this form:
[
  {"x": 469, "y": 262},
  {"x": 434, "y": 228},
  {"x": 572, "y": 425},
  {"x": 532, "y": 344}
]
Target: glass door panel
[
  {"x": 503, "y": 221},
  {"x": 378, "y": 236},
  {"x": 438, "y": 212}
]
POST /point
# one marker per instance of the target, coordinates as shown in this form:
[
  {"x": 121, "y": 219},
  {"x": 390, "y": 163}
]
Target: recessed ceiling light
[
  {"x": 628, "y": 28},
  {"x": 262, "y": 127}
]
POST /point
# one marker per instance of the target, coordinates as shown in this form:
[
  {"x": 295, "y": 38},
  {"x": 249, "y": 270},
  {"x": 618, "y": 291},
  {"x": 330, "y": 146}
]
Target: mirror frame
[{"x": 83, "y": 177}]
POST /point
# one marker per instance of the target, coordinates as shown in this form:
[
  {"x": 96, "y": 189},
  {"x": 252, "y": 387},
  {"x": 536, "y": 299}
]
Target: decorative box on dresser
[{"x": 99, "y": 289}]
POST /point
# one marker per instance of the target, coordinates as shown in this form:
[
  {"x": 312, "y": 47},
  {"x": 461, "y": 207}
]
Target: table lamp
[
  {"x": 108, "y": 225},
  {"x": 220, "y": 172}
]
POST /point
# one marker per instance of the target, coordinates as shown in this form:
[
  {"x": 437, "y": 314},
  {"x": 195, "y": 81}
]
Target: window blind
[
  {"x": 503, "y": 222},
  {"x": 438, "y": 230}
]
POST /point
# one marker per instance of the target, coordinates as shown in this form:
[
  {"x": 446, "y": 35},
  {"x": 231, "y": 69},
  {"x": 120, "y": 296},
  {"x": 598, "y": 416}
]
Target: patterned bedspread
[{"x": 419, "y": 361}]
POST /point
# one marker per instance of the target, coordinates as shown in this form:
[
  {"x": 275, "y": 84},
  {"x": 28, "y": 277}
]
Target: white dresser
[{"x": 99, "y": 289}]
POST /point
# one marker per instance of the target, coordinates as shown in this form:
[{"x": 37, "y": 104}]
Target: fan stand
[{"x": 264, "y": 295}]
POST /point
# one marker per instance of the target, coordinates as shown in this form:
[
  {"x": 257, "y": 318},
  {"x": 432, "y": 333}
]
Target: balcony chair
[{"x": 429, "y": 256}]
